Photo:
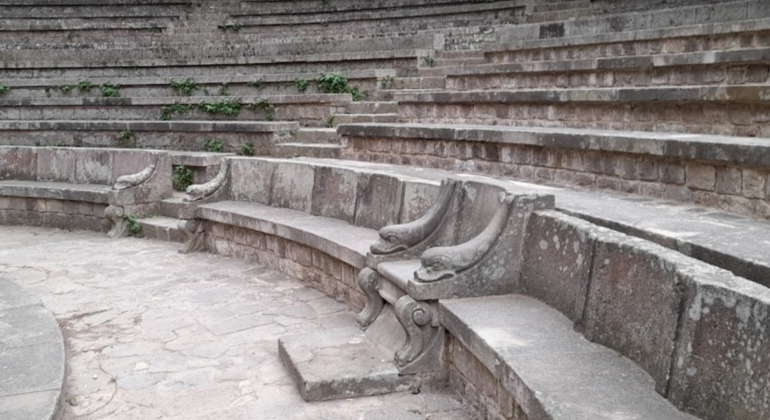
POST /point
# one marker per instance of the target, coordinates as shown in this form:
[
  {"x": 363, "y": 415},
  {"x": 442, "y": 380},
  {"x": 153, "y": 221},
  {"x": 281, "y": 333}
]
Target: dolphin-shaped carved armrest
[
  {"x": 397, "y": 238},
  {"x": 447, "y": 261},
  {"x": 129, "y": 181},
  {"x": 202, "y": 191}
]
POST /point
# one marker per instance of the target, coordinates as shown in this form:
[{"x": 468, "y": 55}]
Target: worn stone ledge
[
  {"x": 32, "y": 357},
  {"x": 622, "y": 63},
  {"x": 139, "y": 126},
  {"x": 127, "y": 82},
  {"x": 422, "y": 11},
  {"x": 316, "y": 98},
  {"x": 310, "y": 264},
  {"x": 732, "y": 94},
  {"x": 197, "y": 159},
  {"x": 99, "y": 194},
  {"x": 682, "y": 147},
  {"x": 692, "y": 30},
  {"x": 309, "y": 58},
  {"x": 334, "y": 237},
  {"x": 523, "y": 348}
]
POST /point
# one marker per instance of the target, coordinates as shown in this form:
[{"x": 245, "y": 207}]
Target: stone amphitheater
[{"x": 397, "y": 209}]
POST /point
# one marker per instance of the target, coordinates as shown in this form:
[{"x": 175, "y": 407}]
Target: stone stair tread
[
  {"x": 161, "y": 221},
  {"x": 550, "y": 368},
  {"x": 311, "y": 145}
]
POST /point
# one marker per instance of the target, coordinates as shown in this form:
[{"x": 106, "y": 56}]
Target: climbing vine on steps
[{"x": 224, "y": 107}]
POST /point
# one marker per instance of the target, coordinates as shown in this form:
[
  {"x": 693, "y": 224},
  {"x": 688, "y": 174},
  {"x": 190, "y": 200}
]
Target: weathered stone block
[
  {"x": 754, "y": 183},
  {"x": 334, "y": 193},
  {"x": 293, "y": 186},
  {"x": 728, "y": 181},
  {"x": 18, "y": 163},
  {"x": 701, "y": 176},
  {"x": 557, "y": 260},
  {"x": 379, "y": 201},
  {"x": 251, "y": 180},
  {"x": 634, "y": 301},
  {"x": 94, "y": 167},
  {"x": 56, "y": 165},
  {"x": 721, "y": 362},
  {"x": 672, "y": 173}
]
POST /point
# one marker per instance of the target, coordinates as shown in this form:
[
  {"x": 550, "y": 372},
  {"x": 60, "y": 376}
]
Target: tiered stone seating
[{"x": 664, "y": 101}]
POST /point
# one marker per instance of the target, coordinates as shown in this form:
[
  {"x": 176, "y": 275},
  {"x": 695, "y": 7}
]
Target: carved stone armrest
[
  {"x": 203, "y": 191},
  {"x": 130, "y": 181},
  {"x": 409, "y": 240},
  {"x": 489, "y": 264}
]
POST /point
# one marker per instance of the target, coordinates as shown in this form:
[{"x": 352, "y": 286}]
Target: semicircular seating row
[{"x": 429, "y": 255}]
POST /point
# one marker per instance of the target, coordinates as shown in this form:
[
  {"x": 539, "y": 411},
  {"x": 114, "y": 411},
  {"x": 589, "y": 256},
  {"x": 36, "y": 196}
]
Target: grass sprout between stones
[
  {"x": 183, "y": 178},
  {"x": 184, "y": 86},
  {"x": 213, "y": 146},
  {"x": 134, "y": 228}
]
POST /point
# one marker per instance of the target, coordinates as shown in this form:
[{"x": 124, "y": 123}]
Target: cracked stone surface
[{"x": 152, "y": 334}]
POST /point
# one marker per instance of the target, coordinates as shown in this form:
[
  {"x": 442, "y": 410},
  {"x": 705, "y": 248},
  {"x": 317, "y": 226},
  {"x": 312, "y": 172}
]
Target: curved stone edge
[{"x": 32, "y": 357}]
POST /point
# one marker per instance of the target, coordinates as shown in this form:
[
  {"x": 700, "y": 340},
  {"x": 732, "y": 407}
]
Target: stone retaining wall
[
  {"x": 477, "y": 386},
  {"x": 732, "y": 187},
  {"x": 58, "y": 214},
  {"x": 320, "y": 270}
]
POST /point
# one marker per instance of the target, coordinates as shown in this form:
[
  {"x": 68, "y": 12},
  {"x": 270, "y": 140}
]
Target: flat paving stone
[{"x": 154, "y": 334}]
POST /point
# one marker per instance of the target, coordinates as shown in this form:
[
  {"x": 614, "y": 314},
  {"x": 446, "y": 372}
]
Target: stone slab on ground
[
  {"x": 340, "y": 363},
  {"x": 31, "y": 356}
]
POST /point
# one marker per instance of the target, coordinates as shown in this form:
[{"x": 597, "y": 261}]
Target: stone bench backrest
[
  {"x": 700, "y": 332},
  {"x": 72, "y": 165}
]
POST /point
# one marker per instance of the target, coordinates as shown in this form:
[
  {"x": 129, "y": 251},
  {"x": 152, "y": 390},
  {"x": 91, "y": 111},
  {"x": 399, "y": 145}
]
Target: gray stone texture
[
  {"x": 634, "y": 301},
  {"x": 155, "y": 328},
  {"x": 31, "y": 356}
]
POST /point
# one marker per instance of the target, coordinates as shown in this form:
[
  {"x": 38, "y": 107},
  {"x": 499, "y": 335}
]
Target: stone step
[
  {"x": 372, "y": 108},
  {"x": 238, "y": 85},
  {"x": 363, "y": 118},
  {"x": 316, "y": 136},
  {"x": 402, "y": 60},
  {"x": 168, "y": 135},
  {"x": 314, "y": 150},
  {"x": 308, "y": 110},
  {"x": 416, "y": 83},
  {"x": 347, "y": 363},
  {"x": 162, "y": 228},
  {"x": 451, "y": 62}
]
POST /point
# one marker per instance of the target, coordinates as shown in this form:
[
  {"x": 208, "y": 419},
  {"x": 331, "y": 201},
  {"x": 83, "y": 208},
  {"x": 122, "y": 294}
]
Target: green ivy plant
[
  {"x": 264, "y": 105},
  {"x": 134, "y": 228},
  {"x": 184, "y": 86},
  {"x": 126, "y": 138},
  {"x": 247, "y": 149},
  {"x": 213, "y": 146},
  {"x": 84, "y": 86},
  {"x": 230, "y": 27},
  {"x": 4, "y": 89},
  {"x": 258, "y": 84},
  {"x": 337, "y": 83},
  {"x": 301, "y": 84},
  {"x": 330, "y": 121},
  {"x": 109, "y": 90},
  {"x": 429, "y": 60},
  {"x": 65, "y": 89},
  {"x": 183, "y": 178}
]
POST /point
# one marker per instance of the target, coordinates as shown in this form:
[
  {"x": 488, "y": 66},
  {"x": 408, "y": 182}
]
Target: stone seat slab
[
  {"x": 93, "y": 193},
  {"x": 551, "y": 371},
  {"x": 314, "y": 361},
  {"x": 335, "y": 237}
]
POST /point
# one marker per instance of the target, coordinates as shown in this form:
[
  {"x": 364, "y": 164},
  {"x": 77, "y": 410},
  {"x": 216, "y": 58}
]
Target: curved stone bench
[
  {"x": 81, "y": 188},
  {"x": 32, "y": 357}
]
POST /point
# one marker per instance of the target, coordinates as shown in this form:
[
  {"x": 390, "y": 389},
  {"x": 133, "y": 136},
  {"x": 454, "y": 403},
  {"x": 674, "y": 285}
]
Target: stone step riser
[
  {"x": 311, "y": 115},
  {"x": 316, "y": 136},
  {"x": 403, "y": 66},
  {"x": 364, "y": 118},
  {"x": 416, "y": 83},
  {"x": 372, "y": 108},
  {"x": 709, "y": 118},
  {"x": 293, "y": 151},
  {"x": 158, "y": 232}
]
